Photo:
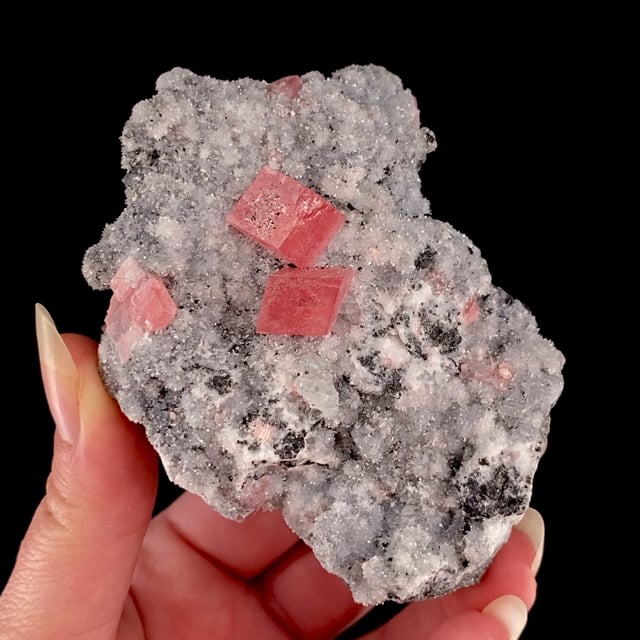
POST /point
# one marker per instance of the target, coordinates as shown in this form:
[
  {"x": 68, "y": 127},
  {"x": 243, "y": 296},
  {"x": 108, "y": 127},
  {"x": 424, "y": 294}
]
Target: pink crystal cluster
[
  {"x": 283, "y": 216},
  {"x": 296, "y": 224},
  {"x": 140, "y": 305}
]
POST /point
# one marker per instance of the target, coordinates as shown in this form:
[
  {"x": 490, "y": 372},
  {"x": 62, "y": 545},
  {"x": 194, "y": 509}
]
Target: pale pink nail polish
[
  {"x": 532, "y": 525},
  {"x": 59, "y": 375},
  {"x": 511, "y": 611}
]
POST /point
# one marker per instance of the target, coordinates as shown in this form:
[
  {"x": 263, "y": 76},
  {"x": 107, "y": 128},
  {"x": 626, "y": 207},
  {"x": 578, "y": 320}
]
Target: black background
[{"x": 505, "y": 108}]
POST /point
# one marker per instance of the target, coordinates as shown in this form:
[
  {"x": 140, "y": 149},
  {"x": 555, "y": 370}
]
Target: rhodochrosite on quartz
[
  {"x": 295, "y": 331},
  {"x": 291, "y": 220},
  {"x": 140, "y": 305},
  {"x": 303, "y": 302},
  {"x": 297, "y": 225}
]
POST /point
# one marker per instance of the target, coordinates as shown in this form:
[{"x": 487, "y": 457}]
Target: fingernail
[
  {"x": 532, "y": 525},
  {"x": 511, "y": 611},
  {"x": 59, "y": 375}
]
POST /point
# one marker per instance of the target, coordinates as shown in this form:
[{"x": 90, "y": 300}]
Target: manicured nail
[
  {"x": 511, "y": 611},
  {"x": 532, "y": 525},
  {"x": 59, "y": 375}
]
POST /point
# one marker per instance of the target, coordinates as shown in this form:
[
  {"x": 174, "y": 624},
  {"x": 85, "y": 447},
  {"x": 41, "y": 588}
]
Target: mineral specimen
[{"x": 401, "y": 443}]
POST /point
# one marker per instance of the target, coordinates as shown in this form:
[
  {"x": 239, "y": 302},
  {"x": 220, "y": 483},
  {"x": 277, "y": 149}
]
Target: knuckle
[{"x": 60, "y": 503}]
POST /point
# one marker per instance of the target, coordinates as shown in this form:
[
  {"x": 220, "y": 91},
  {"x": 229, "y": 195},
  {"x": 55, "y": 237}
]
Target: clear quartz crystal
[{"x": 401, "y": 446}]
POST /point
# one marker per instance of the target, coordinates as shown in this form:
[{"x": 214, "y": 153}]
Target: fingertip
[
  {"x": 511, "y": 611},
  {"x": 498, "y": 623},
  {"x": 60, "y": 376},
  {"x": 532, "y": 525}
]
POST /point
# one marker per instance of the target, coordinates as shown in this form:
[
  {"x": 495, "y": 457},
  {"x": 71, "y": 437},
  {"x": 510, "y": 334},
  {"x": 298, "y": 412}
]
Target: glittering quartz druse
[{"x": 295, "y": 331}]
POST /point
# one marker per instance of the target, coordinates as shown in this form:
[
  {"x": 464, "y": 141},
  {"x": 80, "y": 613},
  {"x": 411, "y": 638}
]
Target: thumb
[{"x": 74, "y": 567}]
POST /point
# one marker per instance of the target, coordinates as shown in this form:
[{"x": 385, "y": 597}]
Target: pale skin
[{"x": 93, "y": 565}]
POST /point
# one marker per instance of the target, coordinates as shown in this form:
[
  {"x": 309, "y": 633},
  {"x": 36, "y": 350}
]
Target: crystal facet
[
  {"x": 291, "y": 220},
  {"x": 303, "y": 302},
  {"x": 140, "y": 305},
  {"x": 289, "y": 86}
]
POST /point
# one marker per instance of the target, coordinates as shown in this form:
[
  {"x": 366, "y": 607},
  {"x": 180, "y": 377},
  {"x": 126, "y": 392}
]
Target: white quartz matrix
[{"x": 402, "y": 446}]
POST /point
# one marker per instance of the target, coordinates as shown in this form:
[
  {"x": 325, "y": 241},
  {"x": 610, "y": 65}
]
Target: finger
[
  {"x": 180, "y": 579},
  {"x": 244, "y": 548},
  {"x": 503, "y": 619},
  {"x": 74, "y": 566},
  {"x": 312, "y": 603},
  {"x": 509, "y": 573},
  {"x": 180, "y": 593},
  {"x": 307, "y": 600},
  {"x": 514, "y": 567},
  {"x": 532, "y": 525},
  {"x": 295, "y": 592}
]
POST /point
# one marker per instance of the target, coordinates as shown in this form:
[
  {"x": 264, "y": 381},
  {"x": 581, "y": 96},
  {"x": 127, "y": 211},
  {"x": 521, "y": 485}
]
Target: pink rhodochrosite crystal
[
  {"x": 291, "y": 220},
  {"x": 140, "y": 305},
  {"x": 127, "y": 278},
  {"x": 122, "y": 329},
  {"x": 152, "y": 306},
  {"x": 296, "y": 224},
  {"x": 303, "y": 302},
  {"x": 289, "y": 86}
]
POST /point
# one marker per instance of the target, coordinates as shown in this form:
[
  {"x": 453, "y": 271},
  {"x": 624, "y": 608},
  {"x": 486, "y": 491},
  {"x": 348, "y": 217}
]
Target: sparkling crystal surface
[
  {"x": 402, "y": 446},
  {"x": 303, "y": 302},
  {"x": 289, "y": 86},
  {"x": 140, "y": 305},
  {"x": 287, "y": 218}
]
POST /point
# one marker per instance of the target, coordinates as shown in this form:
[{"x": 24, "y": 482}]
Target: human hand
[{"x": 94, "y": 566}]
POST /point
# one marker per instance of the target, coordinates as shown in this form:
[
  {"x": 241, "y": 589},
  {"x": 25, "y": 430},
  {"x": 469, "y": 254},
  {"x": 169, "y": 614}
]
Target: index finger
[{"x": 245, "y": 548}]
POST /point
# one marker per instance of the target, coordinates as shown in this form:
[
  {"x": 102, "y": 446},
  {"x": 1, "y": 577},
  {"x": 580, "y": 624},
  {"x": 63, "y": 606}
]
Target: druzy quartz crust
[{"x": 296, "y": 331}]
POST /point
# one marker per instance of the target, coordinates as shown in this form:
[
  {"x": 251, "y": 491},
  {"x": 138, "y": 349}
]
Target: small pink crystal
[
  {"x": 286, "y": 217},
  {"x": 152, "y": 305},
  {"x": 303, "y": 302},
  {"x": 470, "y": 312},
  {"x": 127, "y": 278},
  {"x": 289, "y": 86},
  {"x": 496, "y": 374},
  {"x": 122, "y": 329},
  {"x": 140, "y": 305}
]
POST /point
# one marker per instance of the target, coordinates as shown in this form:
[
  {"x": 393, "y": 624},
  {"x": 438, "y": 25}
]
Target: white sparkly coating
[{"x": 401, "y": 447}]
